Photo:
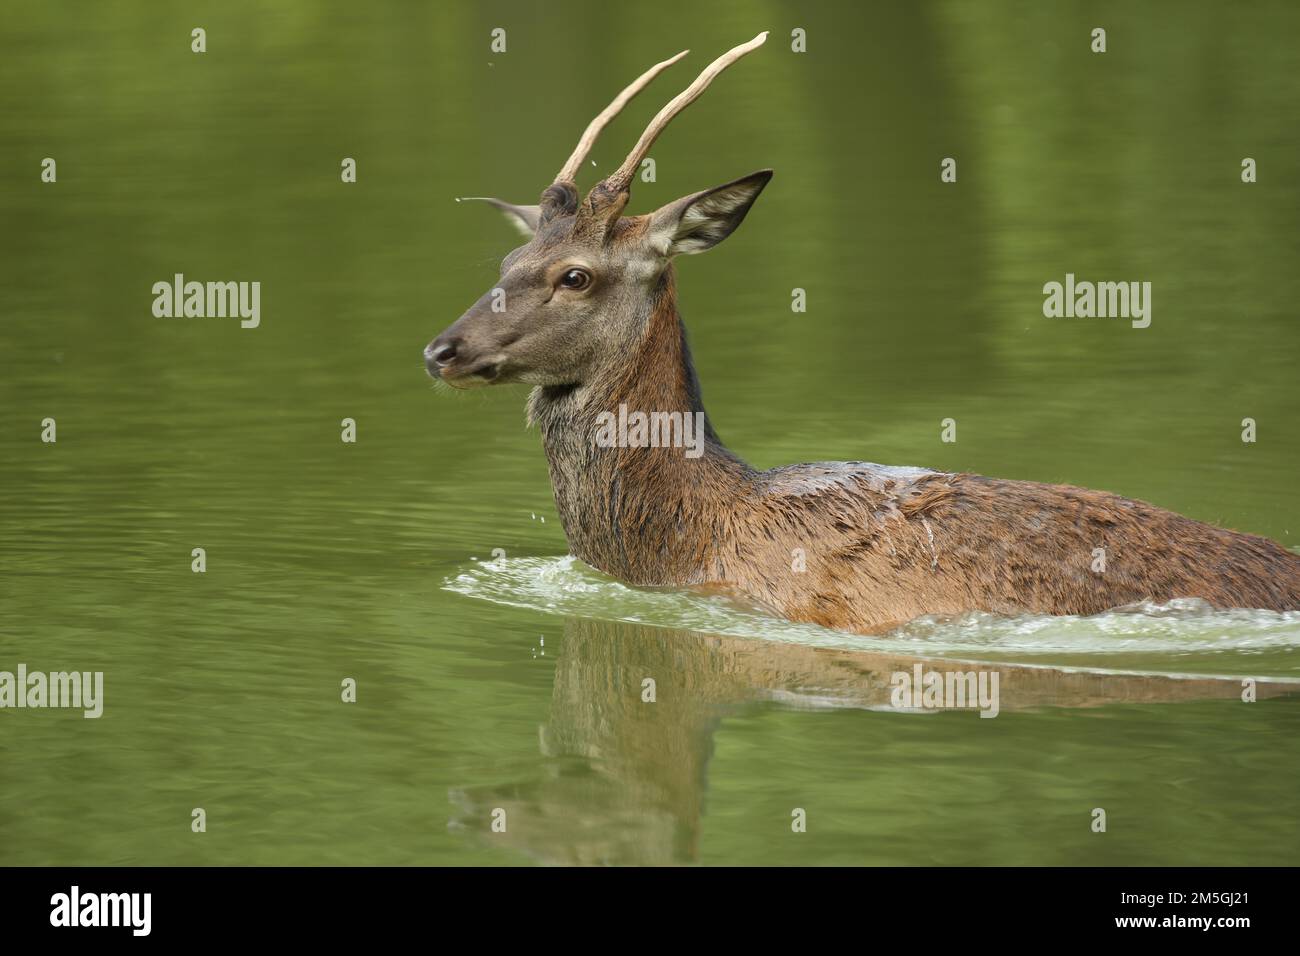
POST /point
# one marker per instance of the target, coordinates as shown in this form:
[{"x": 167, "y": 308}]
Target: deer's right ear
[
  {"x": 523, "y": 218},
  {"x": 700, "y": 222}
]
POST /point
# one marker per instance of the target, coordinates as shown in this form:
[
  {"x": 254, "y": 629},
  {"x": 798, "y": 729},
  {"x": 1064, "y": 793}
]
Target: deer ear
[
  {"x": 696, "y": 223},
  {"x": 523, "y": 218}
]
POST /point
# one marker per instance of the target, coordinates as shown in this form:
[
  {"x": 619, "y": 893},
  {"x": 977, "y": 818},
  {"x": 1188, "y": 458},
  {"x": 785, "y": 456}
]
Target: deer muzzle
[{"x": 455, "y": 359}]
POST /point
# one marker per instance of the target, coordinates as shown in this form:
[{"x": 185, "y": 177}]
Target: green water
[{"x": 515, "y": 683}]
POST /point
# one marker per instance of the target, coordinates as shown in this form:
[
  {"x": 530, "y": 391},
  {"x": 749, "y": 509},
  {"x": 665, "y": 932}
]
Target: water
[
  {"x": 1183, "y": 636},
  {"x": 514, "y": 681}
]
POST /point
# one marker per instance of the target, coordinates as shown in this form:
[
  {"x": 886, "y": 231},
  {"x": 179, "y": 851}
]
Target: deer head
[{"x": 577, "y": 295}]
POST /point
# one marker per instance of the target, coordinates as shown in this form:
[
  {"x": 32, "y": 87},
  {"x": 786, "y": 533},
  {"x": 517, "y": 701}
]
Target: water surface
[{"x": 514, "y": 681}]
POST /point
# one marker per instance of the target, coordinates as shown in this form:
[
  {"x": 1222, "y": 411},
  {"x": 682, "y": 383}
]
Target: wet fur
[{"x": 883, "y": 545}]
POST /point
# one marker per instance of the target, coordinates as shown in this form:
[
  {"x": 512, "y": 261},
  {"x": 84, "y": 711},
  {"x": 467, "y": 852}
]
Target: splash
[{"x": 1183, "y": 636}]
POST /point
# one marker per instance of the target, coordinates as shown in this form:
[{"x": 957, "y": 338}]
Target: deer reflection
[{"x": 624, "y": 781}]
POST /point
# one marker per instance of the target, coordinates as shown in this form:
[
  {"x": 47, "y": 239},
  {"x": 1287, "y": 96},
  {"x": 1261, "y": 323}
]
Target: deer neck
[{"x": 647, "y": 514}]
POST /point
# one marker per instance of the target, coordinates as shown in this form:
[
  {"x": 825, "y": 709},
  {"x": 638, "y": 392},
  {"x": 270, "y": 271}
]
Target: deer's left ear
[{"x": 696, "y": 223}]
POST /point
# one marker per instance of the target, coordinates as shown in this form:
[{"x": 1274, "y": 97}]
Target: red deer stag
[{"x": 586, "y": 313}]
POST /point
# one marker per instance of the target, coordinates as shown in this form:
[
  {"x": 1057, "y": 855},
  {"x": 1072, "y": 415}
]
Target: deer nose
[{"x": 440, "y": 354}]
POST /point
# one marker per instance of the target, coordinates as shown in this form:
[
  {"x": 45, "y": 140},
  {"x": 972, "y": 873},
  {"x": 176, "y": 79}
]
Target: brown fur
[{"x": 882, "y": 546}]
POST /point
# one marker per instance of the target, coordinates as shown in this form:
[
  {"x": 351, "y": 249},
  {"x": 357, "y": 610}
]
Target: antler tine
[
  {"x": 622, "y": 178},
  {"x": 569, "y": 172}
]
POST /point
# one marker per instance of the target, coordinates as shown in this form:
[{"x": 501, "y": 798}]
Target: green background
[{"x": 328, "y": 560}]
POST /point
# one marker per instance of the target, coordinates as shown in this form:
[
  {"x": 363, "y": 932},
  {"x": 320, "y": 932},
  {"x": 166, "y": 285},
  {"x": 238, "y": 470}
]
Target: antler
[
  {"x": 569, "y": 172},
  {"x": 622, "y": 177}
]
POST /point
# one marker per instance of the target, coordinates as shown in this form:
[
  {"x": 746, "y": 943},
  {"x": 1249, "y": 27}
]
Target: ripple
[{"x": 1185, "y": 635}]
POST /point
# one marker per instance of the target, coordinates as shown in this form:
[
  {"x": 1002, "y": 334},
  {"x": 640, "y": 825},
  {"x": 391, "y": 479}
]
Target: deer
[{"x": 585, "y": 311}]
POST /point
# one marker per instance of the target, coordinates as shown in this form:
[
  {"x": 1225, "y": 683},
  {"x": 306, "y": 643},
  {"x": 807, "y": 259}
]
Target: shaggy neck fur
[{"x": 650, "y": 516}]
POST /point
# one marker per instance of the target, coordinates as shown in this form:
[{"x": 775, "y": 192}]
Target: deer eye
[{"x": 576, "y": 279}]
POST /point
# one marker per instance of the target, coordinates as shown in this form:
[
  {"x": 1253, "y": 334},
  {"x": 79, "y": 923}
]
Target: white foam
[{"x": 1184, "y": 636}]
